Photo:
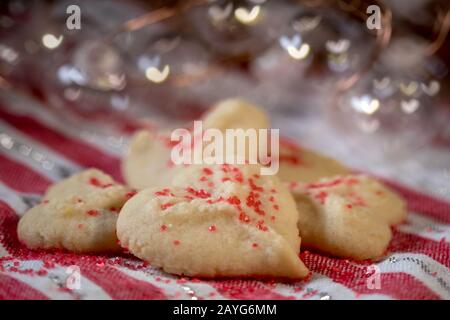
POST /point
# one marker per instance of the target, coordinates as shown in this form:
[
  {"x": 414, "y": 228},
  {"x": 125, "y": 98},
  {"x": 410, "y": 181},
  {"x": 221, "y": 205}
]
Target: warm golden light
[
  {"x": 299, "y": 53},
  {"x": 245, "y": 16},
  {"x": 155, "y": 75},
  {"x": 50, "y": 41}
]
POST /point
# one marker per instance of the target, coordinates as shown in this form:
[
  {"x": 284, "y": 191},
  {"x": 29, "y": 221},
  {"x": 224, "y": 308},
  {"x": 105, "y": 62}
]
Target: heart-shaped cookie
[
  {"x": 148, "y": 162},
  {"x": 347, "y": 216},
  {"x": 216, "y": 221},
  {"x": 77, "y": 214},
  {"x": 300, "y": 164}
]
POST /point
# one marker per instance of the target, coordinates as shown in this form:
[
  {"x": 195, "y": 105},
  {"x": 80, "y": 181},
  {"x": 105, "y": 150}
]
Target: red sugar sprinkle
[
  {"x": 130, "y": 194},
  {"x": 226, "y": 179},
  {"x": 234, "y": 200},
  {"x": 276, "y": 207},
  {"x": 239, "y": 177},
  {"x": 163, "y": 192},
  {"x": 293, "y": 185},
  {"x": 324, "y": 184},
  {"x": 96, "y": 183},
  {"x": 273, "y": 190},
  {"x": 255, "y": 245},
  {"x": 271, "y": 199},
  {"x": 260, "y": 225},
  {"x": 45, "y": 201},
  {"x": 352, "y": 181},
  {"x": 207, "y": 171},
  {"x": 42, "y": 273},
  {"x": 349, "y": 206},
  {"x": 291, "y": 159},
  {"x": 203, "y": 179},
  {"x": 272, "y": 218},
  {"x": 176, "y": 242},
  {"x": 212, "y": 228},
  {"x": 243, "y": 217},
  {"x": 321, "y": 196},
  {"x": 93, "y": 213},
  {"x": 211, "y": 184},
  {"x": 163, "y": 228},
  {"x": 198, "y": 193},
  {"x": 166, "y": 205},
  {"x": 254, "y": 186}
]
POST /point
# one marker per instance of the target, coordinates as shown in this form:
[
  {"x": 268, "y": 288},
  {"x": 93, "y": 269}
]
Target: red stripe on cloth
[
  {"x": 19, "y": 177},
  {"x": 406, "y": 242},
  {"x": 398, "y": 285},
  {"x": 13, "y": 289},
  {"x": 422, "y": 203},
  {"x": 8, "y": 228},
  {"x": 121, "y": 286},
  {"x": 78, "y": 151},
  {"x": 246, "y": 290},
  {"x": 116, "y": 283}
]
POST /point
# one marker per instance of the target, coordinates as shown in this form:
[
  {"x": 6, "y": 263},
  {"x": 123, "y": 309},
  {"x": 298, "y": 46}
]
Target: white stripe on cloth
[
  {"x": 425, "y": 227},
  {"x": 54, "y": 285},
  {"x": 422, "y": 267},
  {"x": 109, "y": 141},
  {"x": 174, "y": 290},
  {"x": 325, "y": 287},
  {"x": 16, "y": 199},
  {"x": 29, "y": 151}
]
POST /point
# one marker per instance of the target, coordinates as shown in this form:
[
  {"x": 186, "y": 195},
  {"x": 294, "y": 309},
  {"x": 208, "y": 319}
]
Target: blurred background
[{"x": 364, "y": 81}]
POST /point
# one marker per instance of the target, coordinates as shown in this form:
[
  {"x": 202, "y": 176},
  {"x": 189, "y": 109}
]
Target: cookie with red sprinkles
[
  {"x": 148, "y": 162},
  {"x": 77, "y": 214},
  {"x": 216, "y": 221},
  {"x": 235, "y": 113},
  {"x": 301, "y": 164},
  {"x": 347, "y": 216}
]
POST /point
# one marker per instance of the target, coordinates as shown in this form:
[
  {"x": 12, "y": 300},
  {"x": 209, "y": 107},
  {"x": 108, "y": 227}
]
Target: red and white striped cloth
[{"x": 37, "y": 149}]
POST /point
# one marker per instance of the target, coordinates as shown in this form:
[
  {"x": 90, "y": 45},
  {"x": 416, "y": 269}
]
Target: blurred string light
[
  {"x": 151, "y": 68},
  {"x": 365, "y": 104},
  {"x": 247, "y": 16},
  {"x": 8, "y": 54},
  {"x": 294, "y": 47},
  {"x": 157, "y": 76},
  {"x": 51, "y": 41}
]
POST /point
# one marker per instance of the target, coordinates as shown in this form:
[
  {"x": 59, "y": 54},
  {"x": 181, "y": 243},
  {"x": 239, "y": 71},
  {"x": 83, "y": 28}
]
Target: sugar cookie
[
  {"x": 77, "y": 214},
  {"x": 347, "y": 216},
  {"x": 148, "y": 162},
  {"x": 300, "y": 164},
  {"x": 215, "y": 221},
  {"x": 236, "y": 114}
]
